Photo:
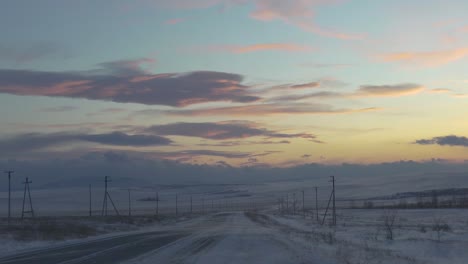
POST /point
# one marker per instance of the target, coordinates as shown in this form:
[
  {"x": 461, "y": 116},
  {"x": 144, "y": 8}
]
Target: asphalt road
[
  {"x": 102, "y": 251},
  {"x": 222, "y": 238}
]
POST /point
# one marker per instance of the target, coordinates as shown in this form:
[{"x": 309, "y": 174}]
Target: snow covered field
[
  {"x": 234, "y": 223},
  {"x": 268, "y": 237},
  {"x": 361, "y": 237}
]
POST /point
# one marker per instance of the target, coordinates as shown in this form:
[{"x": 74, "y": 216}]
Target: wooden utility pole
[
  {"x": 129, "y": 203},
  {"x": 176, "y": 209},
  {"x": 294, "y": 203},
  {"x": 27, "y": 190},
  {"x": 191, "y": 204},
  {"x": 303, "y": 204},
  {"x": 157, "y": 204},
  {"x": 334, "y": 204},
  {"x": 107, "y": 196},
  {"x": 9, "y": 172},
  {"x": 104, "y": 202},
  {"x": 203, "y": 204},
  {"x": 90, "y": 208},
  {"x": 316, "y": 203}
]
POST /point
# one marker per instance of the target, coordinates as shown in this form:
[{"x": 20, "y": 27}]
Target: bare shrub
[
  {"x": 389, "y": 219},
  {"x": 422, "y": 228}
]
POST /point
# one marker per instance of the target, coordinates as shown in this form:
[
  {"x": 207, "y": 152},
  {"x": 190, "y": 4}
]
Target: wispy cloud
[
  {"x": 105, "y": 111},
  {"x": 306, "y": 85},
  {"x": 269, "y": 109},
  {"x": 64, "y": 108},
  {"x": 301, "y": 97},
  {"x": 174, "y": 21},
  {"x": 459, "y": 95},
  {"x": 35, "y": 141},
  {"x": 126, "y": 67},
  {"x": 243, "y": 143},
  {"x": 31, "y": 52},
  {"x": 288, "y": 47},
  {"x": 440, "y": 90},
  {"x": 223, "y": 130},
  {"x": 190, "y": 154},
  {"x": 300, "y": 13},
  {"x": 396, "y": 90},
  {"x": 204, "y": 152},
  {"x": 450, "y": 140},
  {"x": 388, "y": 90},
  {"x": 425, "y": 58},
  {"x": 325, "y": 65}
]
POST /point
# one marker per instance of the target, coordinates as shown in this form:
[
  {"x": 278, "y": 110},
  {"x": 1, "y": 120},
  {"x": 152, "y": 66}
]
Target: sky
[{"x": 235, "y": 82}]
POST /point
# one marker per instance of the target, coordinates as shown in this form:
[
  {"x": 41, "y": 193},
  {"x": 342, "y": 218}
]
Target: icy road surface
[{"x": 220, "y": 238}]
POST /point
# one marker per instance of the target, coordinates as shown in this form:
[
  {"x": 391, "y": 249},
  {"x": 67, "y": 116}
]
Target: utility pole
[
  {"x": 157, "y": 204},
  {"x": 282, "y": 205},
  {"x": 129, "y": 203},
  {"x": 9, "y": 194},
  {"x": 334, "y": 205},
  {"x": 328, "y": 206},
  {"x": 203, "y": 204},
  {"x": 104, "y": 202},
  {"x": 27, "y": 190},
  {"x": 90, "y": 209},
  {"x": 191, "y": 205},
  {"x": 294, "y": 203},
  {"x": 287, "y": 203},
  {"x": 107, "y": 196},
  {"x": 316, "y": 204},
  {"x": 303, "y": 204},
  {"x": 176, "y": 209}
]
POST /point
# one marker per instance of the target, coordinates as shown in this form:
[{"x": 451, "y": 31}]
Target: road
[{"x": 221, "y": 238}]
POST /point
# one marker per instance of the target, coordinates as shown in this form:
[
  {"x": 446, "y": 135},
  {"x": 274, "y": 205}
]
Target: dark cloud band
[{"x": 124, "y": 82}]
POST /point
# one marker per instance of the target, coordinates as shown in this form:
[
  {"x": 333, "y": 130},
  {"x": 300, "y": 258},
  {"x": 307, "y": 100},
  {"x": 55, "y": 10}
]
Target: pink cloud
[
  {"x": 268, "y": 110},
  {"x": 426, "y": 58},
  {"x": 174, "y": 21},
  {"x": 298, "y": 12}
]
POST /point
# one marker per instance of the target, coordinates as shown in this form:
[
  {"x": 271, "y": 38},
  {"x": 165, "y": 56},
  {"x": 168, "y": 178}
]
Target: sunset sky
[{"x": 238, "y": 82}]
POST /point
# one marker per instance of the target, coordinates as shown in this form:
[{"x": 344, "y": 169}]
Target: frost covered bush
[{"x": 439, "y": 225}]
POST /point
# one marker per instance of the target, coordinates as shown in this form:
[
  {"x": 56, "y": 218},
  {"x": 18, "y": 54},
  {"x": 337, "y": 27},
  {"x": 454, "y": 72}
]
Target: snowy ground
[
  {"x": 236, "y": 238},
  {"x": 103, "y": 228},
  {"x": 268, "y": 237}
]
